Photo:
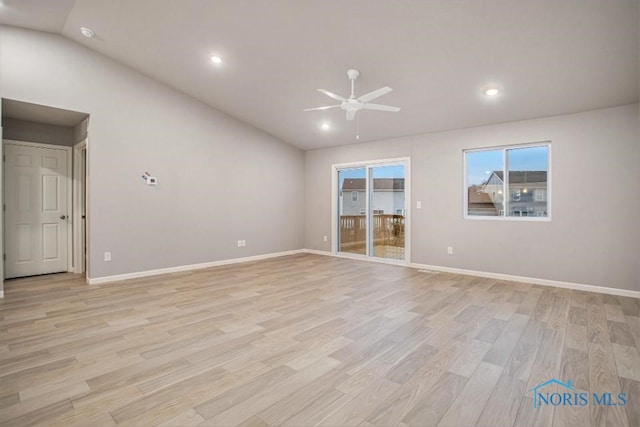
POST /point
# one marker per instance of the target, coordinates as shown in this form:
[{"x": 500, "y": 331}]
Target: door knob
[{"x": 63, "y": 217}]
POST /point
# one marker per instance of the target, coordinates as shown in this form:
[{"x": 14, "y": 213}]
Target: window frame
[{"x": 502, "y": 214}]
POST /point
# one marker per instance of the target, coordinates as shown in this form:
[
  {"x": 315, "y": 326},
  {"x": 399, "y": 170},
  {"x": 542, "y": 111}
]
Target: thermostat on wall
[{"x": 152, "y": 180}]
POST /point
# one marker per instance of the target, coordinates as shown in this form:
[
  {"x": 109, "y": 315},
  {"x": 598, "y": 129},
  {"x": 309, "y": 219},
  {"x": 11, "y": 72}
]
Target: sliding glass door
[{"x": 372, "y": 209}]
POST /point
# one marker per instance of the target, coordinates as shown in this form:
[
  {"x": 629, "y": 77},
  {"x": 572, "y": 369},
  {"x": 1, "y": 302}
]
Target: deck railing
[{"x": 388, "y": 229}]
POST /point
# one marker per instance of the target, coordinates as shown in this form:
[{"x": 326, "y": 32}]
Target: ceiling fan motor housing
[{"x": 351, "y": 104}]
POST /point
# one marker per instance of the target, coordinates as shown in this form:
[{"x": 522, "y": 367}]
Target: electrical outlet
[
  {"x": 239, "y": 243},
  {"x": 418, "y": 204},
  {"x": 107, "y": 256},
  {"x": 244, "y": 243},
  {"x": 326, "y": 238},
  {"x": 450, "y": 250}
]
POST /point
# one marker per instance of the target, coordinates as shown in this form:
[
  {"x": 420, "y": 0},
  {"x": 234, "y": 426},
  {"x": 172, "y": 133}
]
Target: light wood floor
[{"x": 310, "y": 340}]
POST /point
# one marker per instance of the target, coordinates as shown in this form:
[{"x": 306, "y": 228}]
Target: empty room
[{"x": 312, "y": 212}]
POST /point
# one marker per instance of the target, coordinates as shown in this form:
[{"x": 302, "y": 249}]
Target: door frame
[
  {"x": 80, "y": 240},
  {"x": 69, "y": 194},
  {"x": 367, "y": 164}
]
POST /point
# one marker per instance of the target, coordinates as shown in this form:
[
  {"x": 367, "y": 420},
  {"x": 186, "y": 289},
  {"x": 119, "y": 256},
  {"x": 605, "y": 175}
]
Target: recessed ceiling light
[
  {"x": 216, "y": 59},
  {"x": 325, "y": 126},
  {"x": 87, "y": 32},
  {"x": 492, "y": 91}
]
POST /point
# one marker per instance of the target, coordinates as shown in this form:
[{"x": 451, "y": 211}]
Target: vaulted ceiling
[{"x": 548, "y": 57}]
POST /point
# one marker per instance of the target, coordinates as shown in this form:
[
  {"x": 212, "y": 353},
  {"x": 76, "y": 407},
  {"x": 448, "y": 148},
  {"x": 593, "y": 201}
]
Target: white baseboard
[
  {"x": 531, "y": 280},
  {"x": 498, "y": 276},
  {"x": 357, "y": 257},
  {"x": 147, "y": 273},
  {"x": 316, "y": 252}
]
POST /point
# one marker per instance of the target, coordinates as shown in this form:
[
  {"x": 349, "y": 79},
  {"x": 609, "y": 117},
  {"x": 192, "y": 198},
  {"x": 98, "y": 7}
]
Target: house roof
[
  {"x": 388, "y": 184},
  {"x": 523, "y": 177},
  {"x": 477, "y": 196},
  {"x": 553, "y": 381}
]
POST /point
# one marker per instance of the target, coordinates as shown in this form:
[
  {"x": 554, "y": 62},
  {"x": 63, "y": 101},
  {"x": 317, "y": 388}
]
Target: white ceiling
[{"x": 550, "y": 57}]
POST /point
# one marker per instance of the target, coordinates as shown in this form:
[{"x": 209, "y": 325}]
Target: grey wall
[
  {"x": 219, "y": 180},
  {"x": 1, "y": 185},
  {"x": 80, "y": 131},
  {"x": 22, "y": 130},
  {"x": 593, "y": 237}
]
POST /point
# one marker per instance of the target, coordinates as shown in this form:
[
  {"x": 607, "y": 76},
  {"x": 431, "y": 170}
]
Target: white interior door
[{"x": 36, "y": 209}]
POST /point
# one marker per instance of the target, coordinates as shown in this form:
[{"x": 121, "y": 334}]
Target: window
[
  {"x": 354, "y": 196},
  {"x": 521, "y": 172}
]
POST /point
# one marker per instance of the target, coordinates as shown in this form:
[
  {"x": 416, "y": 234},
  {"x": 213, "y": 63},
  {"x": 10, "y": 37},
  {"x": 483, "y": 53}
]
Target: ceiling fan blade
[
  {"x": 373, "y": 95},
  {"x": 351, "y": 114},
  {"x": 332, "y": 95},
  {"x": 381, "y": 107},
  {"x": 322, "y": 108}
]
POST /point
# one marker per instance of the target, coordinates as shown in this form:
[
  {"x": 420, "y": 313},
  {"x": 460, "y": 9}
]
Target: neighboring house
[
  {"x": 388, "y": 196},
  {"x": 480, "y": 203},
  {"x": 526, "y": 194}
]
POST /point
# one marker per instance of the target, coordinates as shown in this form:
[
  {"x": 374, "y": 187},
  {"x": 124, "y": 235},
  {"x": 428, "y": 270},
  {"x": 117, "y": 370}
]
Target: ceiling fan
[{"x": 352, "y": 104}]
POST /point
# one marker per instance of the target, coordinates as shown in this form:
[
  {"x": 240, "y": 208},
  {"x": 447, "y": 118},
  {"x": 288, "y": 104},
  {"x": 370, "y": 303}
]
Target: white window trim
[{"x": 465, "y": 194}]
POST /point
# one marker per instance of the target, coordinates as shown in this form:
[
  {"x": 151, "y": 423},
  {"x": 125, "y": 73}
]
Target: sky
[{"x": 480, "y": 164}]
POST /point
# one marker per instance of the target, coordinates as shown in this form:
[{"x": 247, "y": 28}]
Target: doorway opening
[
  {"x": 44, "y": 190},
  {"x": 80, "y": 173},
  {"x": 370, "y": 205}
]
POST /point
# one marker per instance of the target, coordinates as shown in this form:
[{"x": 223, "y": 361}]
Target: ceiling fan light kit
[
  {"x": 87, "y": 32},
  {"x": 354, "y": 104}
]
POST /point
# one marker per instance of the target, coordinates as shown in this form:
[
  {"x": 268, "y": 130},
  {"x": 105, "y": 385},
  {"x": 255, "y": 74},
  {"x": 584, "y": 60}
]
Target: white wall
[
  {"x": 220, "y": 180},
  {"x": 593, "y": 237}
]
